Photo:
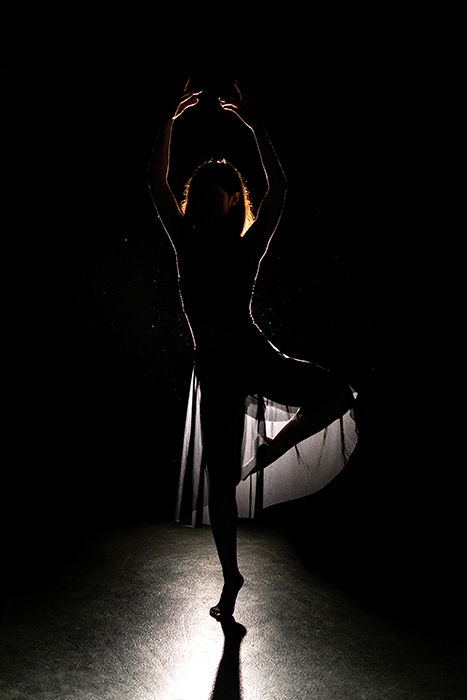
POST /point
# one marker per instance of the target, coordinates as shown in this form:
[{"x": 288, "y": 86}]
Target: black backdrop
[{"x": 97, "y": 355}]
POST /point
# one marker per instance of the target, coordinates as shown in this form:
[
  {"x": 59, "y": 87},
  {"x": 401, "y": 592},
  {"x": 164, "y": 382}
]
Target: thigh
[
  {"x": 296, "y": 382},
  {"x": 222, "y": 421}
]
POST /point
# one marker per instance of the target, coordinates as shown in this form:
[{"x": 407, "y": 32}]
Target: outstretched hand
[
  {"x": 236, "y": 104},
  {"x": 188, "y": 99}
]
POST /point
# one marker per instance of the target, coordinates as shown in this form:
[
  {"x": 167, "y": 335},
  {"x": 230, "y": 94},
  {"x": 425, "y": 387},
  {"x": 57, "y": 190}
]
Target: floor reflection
[{"x": 227, "y": 685}]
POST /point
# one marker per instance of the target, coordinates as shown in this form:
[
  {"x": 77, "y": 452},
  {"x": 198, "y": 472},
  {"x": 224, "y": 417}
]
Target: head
[{"x": 216, "y": 195}]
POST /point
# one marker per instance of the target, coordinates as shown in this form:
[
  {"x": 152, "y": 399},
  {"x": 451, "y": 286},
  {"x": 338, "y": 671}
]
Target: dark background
[{"x": 96, "y": 353}]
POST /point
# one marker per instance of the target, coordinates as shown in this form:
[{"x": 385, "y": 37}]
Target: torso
[{"x": 216, "y": 282}]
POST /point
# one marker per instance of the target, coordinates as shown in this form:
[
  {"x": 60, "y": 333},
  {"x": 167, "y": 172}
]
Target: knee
[
  {"x": 339, "y": 402},
  {"x": 344, "y": 397},
  {"x": 223, "y": 484}
]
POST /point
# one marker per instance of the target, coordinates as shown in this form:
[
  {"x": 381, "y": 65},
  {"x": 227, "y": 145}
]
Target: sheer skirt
[{"x": 236, "y": 400}]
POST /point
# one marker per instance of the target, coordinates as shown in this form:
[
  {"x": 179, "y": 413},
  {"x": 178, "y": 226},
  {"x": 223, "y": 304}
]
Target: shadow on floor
[{"x": 227, "y": 685}]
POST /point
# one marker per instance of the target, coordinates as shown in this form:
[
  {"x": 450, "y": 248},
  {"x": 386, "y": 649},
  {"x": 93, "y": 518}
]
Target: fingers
[
  {"x": 238, "y": 90},
  {"x": 186, "y": 101},
  {"x": 227, "y": 105},
  {"x": 229, "y": 101},
  {"x": 190, "y": 103},
  {"x": 189, "y": 99},
  {"x": 187, "y": 95},
  {"x": 232, "y": 101}
]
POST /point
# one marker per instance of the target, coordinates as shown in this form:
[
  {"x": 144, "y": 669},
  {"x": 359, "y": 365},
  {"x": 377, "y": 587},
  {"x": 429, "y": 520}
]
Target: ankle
[{"x": 233, "y": 577}]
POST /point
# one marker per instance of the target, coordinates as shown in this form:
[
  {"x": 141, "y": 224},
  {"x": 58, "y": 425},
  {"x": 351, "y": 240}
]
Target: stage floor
[{"x": 121, "y": 613}]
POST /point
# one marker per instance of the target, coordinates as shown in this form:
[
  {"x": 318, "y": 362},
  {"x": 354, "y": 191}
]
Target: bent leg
[
  {"x": 304, "y": 424},
  {"x": 322, "y": 396}
]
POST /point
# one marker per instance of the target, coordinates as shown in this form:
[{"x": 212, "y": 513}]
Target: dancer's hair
[{"x": 227, "y": 177}]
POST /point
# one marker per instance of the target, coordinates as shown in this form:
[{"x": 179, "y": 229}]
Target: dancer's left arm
[{"x": 270, "y": 210}]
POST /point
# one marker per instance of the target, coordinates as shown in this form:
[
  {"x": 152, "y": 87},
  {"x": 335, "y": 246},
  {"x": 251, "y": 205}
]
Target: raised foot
[
  {"x": 226, "y": 605},
  {"x": 263, "y": 458}
]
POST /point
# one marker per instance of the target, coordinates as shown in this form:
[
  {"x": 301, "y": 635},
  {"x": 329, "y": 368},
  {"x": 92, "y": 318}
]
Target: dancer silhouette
[{"x": 218, "y": 244}]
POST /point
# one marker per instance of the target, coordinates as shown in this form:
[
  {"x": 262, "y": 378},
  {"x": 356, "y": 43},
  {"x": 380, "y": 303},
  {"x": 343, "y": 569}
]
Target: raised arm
[
  {"x": 164, "y": 200},
  {"x": 269, "y": 212}
]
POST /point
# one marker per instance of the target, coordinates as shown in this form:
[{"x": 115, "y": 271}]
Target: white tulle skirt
[{"x": 303, "y": 470}]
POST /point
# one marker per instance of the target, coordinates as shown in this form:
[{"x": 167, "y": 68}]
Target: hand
[
  {"x": 188, "y": 99},
  {"x": 236, "y": 104}
]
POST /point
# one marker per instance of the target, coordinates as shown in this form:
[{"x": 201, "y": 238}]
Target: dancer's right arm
[{"x": 162, "y": 196}]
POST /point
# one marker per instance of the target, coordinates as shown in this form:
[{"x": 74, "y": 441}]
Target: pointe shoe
[{"x": 224, "y": 609}]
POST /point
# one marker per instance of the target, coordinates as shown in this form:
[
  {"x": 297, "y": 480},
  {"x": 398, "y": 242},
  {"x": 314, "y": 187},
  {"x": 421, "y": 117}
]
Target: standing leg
[
  {"x": 222, "y": 424},
  {"x": 223, "y": 515}
]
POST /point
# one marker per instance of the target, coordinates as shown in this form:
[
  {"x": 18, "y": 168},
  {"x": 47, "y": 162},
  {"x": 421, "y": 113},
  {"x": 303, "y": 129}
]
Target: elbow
[
  {"x": 152, "y": 191},
  {"x": 157, "y": 185},
  {"x": 156, "y": 193},
  {"x": 284, "y": 186},
  {"x": 283, "y": 180},
  {"x": 277, "y": 180},
  {"x": 277, "y": 187},
  {"x": 156, "y": 177}
]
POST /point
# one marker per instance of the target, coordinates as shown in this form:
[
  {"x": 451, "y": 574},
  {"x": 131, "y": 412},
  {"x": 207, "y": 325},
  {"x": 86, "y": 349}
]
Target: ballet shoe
[{"x": 223, "y": 611}]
